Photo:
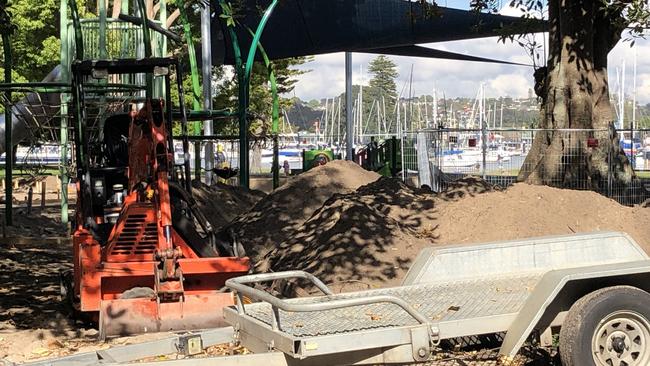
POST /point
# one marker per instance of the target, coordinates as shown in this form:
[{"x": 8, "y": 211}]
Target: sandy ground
[{"x": 34, "y": 322}]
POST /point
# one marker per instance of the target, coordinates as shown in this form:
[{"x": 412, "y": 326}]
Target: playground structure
[
  {"x": 136, "y": 227},
  {"x": 42, "y": 114}
]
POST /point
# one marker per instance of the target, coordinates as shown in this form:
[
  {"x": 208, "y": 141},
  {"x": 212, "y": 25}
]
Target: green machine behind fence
[
  {"x": 384, "y": 158},
  {"x": 317, "y": 157}
]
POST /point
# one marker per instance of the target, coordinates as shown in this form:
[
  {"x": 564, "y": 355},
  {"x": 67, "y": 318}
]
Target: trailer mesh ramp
[{"x": 442, "y": 302}]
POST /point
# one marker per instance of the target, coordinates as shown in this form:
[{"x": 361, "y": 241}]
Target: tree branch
[{"x": 172, "y": 17}]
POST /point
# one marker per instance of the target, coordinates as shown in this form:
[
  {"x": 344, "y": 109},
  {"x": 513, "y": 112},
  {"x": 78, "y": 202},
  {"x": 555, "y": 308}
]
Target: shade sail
[
  {"x": 419, "y": 51},
  {"x": 312, "y": 27}
]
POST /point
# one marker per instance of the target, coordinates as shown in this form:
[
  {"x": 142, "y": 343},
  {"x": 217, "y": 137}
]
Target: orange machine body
[{"x": 144, "y": 251}]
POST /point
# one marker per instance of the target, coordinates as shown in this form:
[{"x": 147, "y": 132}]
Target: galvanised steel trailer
[{"x": 591, "y": 290}]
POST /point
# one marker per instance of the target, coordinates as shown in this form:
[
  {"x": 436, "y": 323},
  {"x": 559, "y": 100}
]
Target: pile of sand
[
  {"x": 524, "y": 211},
  {"x": 275, "y": 218},
  {"x": 369, "y": 238},
  {"x": 222, "y": 203},
  {"x": 359, "y": 239}
]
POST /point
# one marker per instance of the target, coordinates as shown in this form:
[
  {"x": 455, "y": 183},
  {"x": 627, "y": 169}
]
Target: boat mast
[
  {"x": 501, "y": 119},
  {"x": 325, "y": 126},
  {"x": 634, "y": 91},
  {"x": 435, "y": 107},
  {"x": 383, "y": 114},
  {"x": 338, "y": 125},
  {"x": 360, "y": 102}
]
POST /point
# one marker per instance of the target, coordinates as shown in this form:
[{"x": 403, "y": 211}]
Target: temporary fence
[
  {"x": 577, "y": 159},
  {"x": 438, "y": 157}
]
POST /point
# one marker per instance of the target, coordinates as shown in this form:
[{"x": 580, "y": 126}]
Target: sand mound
[
  {"x": 360, "y": 239},
  {"x": 369, "y": 238},
  {"x": 222, "y": 203},
  {"x": 275, "y": 218},
  {"x": 466, "y": 187},
  {"x": 525, "y": 211}
]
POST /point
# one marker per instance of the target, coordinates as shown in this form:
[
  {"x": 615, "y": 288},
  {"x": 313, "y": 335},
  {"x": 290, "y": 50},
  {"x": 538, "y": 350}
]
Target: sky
[{"x": 462, "y": 78}]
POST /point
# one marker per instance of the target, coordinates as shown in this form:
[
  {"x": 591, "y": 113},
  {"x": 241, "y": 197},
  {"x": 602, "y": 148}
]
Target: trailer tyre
[{"x": 608, "y": 327}]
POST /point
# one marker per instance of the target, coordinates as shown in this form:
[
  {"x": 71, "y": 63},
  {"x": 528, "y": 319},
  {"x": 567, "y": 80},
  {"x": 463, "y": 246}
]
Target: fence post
[
  {"x": 483, "y": 147},
  {"x": 611, "y": 134},
  {"x": 30, "y": 193},
  {"x": 435, "y": 163},
  {"x": 43, "y": 191},
  {"x": 197, "y": 160}
]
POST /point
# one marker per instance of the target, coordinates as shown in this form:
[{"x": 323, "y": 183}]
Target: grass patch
[{"x": 645, "y": 174}]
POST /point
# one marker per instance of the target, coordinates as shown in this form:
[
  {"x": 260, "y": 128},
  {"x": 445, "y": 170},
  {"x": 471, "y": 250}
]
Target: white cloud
[
  {"x": 512, "y": 85},
  {"x": 458, "y": 78}
]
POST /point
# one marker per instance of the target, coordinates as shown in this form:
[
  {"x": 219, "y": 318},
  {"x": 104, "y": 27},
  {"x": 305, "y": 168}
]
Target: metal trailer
[{"x": 593, "y": 287}]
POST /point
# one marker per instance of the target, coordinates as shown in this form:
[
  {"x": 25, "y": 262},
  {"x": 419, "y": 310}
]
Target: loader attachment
[{"x": 122, "y": 317}]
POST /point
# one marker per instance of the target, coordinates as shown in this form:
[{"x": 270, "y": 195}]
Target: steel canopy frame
[
  {"x": 275, "y": 114},
  {"x": 243, "y": 78},
  {"x": 244, "y": 72}
]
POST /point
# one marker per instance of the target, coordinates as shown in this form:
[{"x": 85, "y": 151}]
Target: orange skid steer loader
[{"x": 145, "y": 258}]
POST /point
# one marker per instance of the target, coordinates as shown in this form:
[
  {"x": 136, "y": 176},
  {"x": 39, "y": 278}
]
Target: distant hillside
[{"x": 303, "y": 116}]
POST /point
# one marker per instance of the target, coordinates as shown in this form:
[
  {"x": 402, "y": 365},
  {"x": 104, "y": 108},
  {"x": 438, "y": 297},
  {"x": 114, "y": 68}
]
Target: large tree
[
  {"x": 382, "y": 87},
  {"x": 261, "y": 100},
  {"x": 574, "y": 91}
]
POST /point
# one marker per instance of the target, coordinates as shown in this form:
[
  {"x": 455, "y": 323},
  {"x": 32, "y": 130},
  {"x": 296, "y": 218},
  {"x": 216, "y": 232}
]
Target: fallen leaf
[
  {"x": 54, "y": 343},
  {"x": 41, "y": 351}
]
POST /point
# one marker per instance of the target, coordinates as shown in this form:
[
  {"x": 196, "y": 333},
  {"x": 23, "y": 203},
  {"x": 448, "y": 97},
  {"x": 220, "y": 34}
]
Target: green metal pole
[
  {"x": 187, "y": 30},
  {"x": 102, "y": 30},
  {"x": 244, "y": 93},
  {"x": 103, "y": 55},
  {"x": 146, "y": 39},
  {"x": 78, "y": 38},
  {"x": 146, "y": 36},
  {"x": 241, "y": 111},
  {"x": 275, "y": 114},
  {"x": 196, "y": 85},
  {"x": 163, "y": 22},
  {"x": 65, "y": 77},
  {"x": 9, "y": 148}
]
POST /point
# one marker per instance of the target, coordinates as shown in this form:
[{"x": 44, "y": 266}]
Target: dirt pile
[
  {"x": 222, "y": 203},
  {"x": 466, "y": 187},
  {"x": 275, "y": 218},
  {"x": 360, "y": 239},
  {"x": 524, "y": 211},
  {"x": 369, "y": 238}
]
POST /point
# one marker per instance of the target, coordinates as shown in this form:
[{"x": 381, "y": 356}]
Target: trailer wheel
[{"x": 608, "y": 327}]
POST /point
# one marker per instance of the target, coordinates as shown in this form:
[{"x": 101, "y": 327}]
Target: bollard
[{"x": 30, "y": 192}]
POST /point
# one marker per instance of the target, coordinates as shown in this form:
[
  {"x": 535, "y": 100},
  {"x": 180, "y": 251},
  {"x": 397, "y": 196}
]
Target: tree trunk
[{"x": 575, "y": 95}]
